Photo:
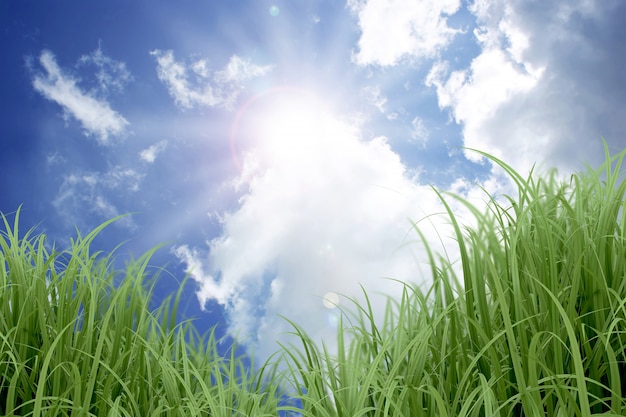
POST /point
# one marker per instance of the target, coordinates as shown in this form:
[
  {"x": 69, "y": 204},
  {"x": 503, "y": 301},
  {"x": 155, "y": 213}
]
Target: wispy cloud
[
  {"x": 373, "y": 95},
  {"x": 194, "y": 84},
  {"x": 91, "y": 192},
  {"x": 392, "y": 30},
  {"x": 111, "y": 75},
  {"x": 239, "y": 70},
  {"x": 419, "y": 132},
  {"x": 150, "y": 153},
  {"x": 95, "y": 114}
]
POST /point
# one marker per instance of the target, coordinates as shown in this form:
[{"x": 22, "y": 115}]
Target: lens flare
[
  {"x": 331, "y": 300},
  {"x": 274, "y": 11},
  {"x": 332, "y": 318}
]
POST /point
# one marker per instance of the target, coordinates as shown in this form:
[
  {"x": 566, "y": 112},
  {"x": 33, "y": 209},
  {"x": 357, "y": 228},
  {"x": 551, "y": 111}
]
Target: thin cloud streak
[{"x": 95, "y": 115}]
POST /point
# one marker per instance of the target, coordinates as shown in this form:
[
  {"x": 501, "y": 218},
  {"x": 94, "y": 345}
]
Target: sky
[{"x": 282, "y": 152}]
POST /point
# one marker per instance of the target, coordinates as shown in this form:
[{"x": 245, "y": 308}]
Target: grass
[
  {"x": 73, "y": 343},
  {"x": 535, "y": 325}
]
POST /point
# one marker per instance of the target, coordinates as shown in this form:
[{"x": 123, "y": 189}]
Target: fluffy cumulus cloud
[
  {"x": 392, "y": 30},
  {"x": 93, "y": 112},
  {"x": 541, "y": 89},
  {"x": 195, "y": 84},
  {"x": 323, "y": 212}
]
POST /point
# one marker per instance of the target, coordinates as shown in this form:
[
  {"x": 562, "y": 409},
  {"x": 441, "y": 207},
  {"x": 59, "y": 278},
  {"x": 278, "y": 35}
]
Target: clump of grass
[
  {"x": 75, "y": 342},
  {"x": 535, "y": 326}
]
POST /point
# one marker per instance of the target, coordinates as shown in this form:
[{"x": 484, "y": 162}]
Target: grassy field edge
[{"x": 534, "y": 325}]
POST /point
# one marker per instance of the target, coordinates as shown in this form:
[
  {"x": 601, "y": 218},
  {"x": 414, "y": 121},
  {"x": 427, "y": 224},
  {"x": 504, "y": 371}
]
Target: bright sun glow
[
  {"x": 291, "y": 127},
  {"x": 285, "y": 126}
]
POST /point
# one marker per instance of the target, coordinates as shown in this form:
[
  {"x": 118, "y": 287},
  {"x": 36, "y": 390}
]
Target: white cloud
[
  {"x": 120, "y": 177},
  {"x": 104, "y": 208},
  {"x": 324, "y": 211},
  {"x": 193, "y": 84},
  {"x": 475, "y": 95},
  {"x": 95, "y": 115},
  {"x": 419, "y": 132},
  {"x": 238, "y": 70},
  {"x": 112, "y": 75},
  {"x": 393, "y": 29},
  {"x": 55, "y": 158},
  {"x": 91, "y": 192},
  {"x": 373, "y": 95},
  {"x": 546, "y": 86},
  {"x": 150, "y": 153}
]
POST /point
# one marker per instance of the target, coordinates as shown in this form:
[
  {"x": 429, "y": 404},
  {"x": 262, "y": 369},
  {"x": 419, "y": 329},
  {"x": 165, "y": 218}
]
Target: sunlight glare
[
  {"x": 291, "y": 127},
  {"x": 286, "y": 126}
]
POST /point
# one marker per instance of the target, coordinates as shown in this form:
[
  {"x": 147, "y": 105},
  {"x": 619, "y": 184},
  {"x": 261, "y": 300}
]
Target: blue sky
[{"x": 279, "y": 150}]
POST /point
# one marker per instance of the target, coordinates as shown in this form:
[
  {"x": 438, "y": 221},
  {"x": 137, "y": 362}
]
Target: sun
[{"x": 282, "y": 125}]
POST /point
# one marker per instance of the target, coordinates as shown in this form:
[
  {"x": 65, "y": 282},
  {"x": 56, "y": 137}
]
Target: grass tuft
[
  {"x": 535, "y": 326},
  {"x": 72, "y": 342}
]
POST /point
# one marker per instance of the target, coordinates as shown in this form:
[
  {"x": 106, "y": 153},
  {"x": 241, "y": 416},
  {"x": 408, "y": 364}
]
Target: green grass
[
  {"x": 73, "y": 343},
  {"x": 535, "y": 325}
]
